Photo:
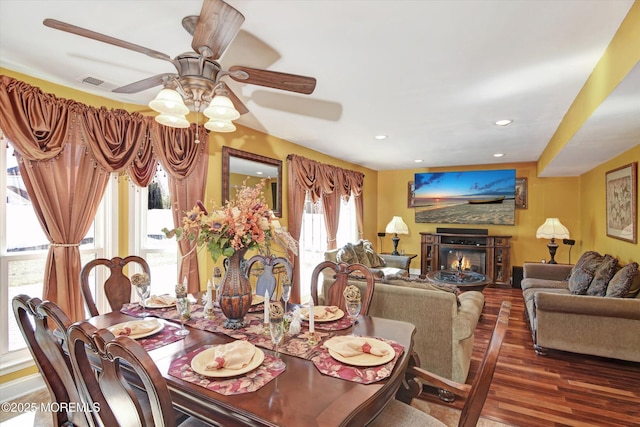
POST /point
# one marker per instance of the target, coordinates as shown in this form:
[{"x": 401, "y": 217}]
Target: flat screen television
[{"x": 469, "y": 197}]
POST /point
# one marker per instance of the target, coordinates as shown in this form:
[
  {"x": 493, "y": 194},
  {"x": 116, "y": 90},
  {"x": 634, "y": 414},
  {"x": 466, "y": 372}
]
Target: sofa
[
  {"x": 592, "y": 307},
  {"x": 362, "y": 252},
  {"x": 445, "y": 319}
]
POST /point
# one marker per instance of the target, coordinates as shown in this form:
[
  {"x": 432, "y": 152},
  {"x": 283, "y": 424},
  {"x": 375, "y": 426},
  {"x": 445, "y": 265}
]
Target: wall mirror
[{"x": 238, "y": 166}]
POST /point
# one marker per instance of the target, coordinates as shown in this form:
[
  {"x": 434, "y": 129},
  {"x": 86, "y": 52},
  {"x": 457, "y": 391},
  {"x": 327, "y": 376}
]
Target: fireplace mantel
[{"x": 495, "y": 251}]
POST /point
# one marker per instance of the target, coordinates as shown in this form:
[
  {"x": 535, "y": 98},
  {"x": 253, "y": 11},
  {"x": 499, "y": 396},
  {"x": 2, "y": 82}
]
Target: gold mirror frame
[{"x": 232, "y": 156}]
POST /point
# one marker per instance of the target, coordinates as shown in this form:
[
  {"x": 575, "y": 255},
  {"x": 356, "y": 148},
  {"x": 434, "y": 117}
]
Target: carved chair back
[
  {"x": 342, "y": 271},
  {"x": 267, "y": 281}
]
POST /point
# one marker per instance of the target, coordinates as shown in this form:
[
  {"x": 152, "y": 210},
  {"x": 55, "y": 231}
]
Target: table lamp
[
  {"x": 396, "y": 226},
  {"x": 552, "y": 229}
]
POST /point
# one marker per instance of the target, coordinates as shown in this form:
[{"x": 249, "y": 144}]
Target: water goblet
[
  {"x": 143, "y": 290},
  {"x": 353, "y": 307},
  {"x": 276, "y": 327},
  {"x": 182, "y": 305},
  {"x": 286, "y": 294}
]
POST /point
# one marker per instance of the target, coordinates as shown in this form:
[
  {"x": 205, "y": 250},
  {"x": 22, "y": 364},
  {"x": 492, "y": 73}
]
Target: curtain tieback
[{"x": 64, "y": 245}]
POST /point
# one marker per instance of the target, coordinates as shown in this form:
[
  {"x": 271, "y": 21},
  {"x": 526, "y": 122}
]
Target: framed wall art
[
  {"x": 521, "y": 193},
  {"x": 411, "y": 193},
  {"x": 622, "y": 202}
]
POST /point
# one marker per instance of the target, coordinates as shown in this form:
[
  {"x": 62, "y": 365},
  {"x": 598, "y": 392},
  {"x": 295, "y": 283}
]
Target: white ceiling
[{"x": 432, "y": 75}]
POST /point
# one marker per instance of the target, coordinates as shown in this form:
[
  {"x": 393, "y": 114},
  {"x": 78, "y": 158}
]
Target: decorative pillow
[
  {"x": 361, "y": 254},
  {"x": 586, "y": 259},
  {"x": 374, "y": 259},
  {"x": 602, "y": 275},
  {"x": 579, "y": 281},
  {"x": 621, "y": 282},
  {"x": 347, "y": 254}
]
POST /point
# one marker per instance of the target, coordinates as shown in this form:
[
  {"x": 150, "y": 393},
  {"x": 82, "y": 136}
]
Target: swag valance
[{"x": 66, "y": 151}]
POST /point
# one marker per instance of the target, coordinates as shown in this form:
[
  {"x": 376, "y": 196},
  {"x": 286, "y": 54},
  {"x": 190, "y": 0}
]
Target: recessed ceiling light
[
  {"x": 418, "y": 160},
  {"x": 259, "y": 173},
  {"x": 504, "y": 122},
  {"x": 381, "y": 137},
  {"x": 498, "y": 155}
]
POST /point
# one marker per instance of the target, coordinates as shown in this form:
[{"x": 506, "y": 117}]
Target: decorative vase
[{"x": 235, "y": 292}]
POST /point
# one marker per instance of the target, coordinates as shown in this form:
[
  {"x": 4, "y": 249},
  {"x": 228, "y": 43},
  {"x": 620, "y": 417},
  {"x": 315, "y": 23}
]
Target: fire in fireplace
[{"x": 472, "y": 259}]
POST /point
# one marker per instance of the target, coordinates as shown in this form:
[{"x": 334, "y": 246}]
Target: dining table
[{"x": 314, "y": 389}]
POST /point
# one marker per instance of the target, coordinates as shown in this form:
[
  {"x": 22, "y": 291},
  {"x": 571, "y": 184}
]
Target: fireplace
[{"x": 473, "y": 259}]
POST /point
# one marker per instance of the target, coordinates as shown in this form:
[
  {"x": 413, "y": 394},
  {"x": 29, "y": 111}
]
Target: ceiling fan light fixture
[
  {"x": 221, "y": 108},
  {"x": 217, "y": 125},
  {"x": 169, "y": 101},
  {"x": 173, "y": 120}
]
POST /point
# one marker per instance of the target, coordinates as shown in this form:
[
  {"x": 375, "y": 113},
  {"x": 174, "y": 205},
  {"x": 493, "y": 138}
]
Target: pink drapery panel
[
  {"x": 67, "y": 150},
  {"x": 186, "y": 164},
  {"x": 320, "y": 180}
]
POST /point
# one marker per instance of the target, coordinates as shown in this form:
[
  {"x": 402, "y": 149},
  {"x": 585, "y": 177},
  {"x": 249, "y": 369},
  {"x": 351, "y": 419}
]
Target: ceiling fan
[{"x": 197, "y": 85}]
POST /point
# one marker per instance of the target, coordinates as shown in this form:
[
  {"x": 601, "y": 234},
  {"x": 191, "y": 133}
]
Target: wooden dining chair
[
  {"x": 266, "y": 281},
  {"x": 117, "y": 287},
  {"x": 398, "y": 413},
  {"x": 147, "y": 403},
  {"x": 334, "y": 292},
  {"x": 43, "y": 326}
]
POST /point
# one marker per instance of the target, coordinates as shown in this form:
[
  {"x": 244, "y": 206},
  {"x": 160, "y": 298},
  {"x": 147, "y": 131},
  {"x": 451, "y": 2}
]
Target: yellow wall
[{"x": 592, "y": 204}]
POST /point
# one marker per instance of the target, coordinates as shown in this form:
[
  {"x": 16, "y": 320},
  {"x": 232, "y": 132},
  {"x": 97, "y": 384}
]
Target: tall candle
[
  {"x": 311, "y": 318},
  {"x": 266, "y": 307}
]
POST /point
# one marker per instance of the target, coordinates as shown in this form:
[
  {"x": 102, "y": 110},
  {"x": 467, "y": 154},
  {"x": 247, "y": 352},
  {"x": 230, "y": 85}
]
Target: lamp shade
[
  {"x": 397, "y": 226},
  {"x": 216, "y": 125},
  {"x": 173, "y": 120},
  {"x": 221, "y": 108},
  {"x": 552, "y": 229},
  {"x": 168, "y": 101}
]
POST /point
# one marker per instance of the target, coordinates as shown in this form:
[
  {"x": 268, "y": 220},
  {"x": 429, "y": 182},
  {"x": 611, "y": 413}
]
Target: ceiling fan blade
[
  {"x": 141, "y": 85},
  {"x": 273, "y": 79},
  {"x": 217, "y": 25},
  {"x": 242, "y": 109},
  {"x": 73, "y": 29}
]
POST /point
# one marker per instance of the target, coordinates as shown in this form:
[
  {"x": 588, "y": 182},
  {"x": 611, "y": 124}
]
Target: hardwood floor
[{"x": 560, "y": 389}]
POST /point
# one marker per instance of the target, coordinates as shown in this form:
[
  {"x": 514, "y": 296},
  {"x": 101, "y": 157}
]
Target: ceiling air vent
[
  {"x": 97, "y": 82},
  {"x": 92, "y": 81}
]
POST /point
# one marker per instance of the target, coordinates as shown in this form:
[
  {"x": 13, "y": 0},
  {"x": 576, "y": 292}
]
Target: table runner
[{"x": 166, "y": 336}]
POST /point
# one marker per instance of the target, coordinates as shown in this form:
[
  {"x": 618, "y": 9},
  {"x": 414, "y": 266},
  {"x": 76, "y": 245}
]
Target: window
[
  {"x": 151, "y": 213},
  {"x": 23, "y": 253},
  {"x": 313, "y": 237}
]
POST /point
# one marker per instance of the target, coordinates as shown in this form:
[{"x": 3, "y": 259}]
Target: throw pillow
[
  {"x": 361, "y": 254},
  {"x": 586, "y": 258},
  {"x": 347, "y": 254},
  {"x": 602, "y": 275},
  {"x": 579, "y": 281},
  {"x": 621, "y": 282},
  {"x": 374, "y": 259}
]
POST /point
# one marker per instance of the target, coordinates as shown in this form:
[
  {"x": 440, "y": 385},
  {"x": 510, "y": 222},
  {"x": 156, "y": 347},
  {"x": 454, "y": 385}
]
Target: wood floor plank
[{"x": 560, "y": 389}]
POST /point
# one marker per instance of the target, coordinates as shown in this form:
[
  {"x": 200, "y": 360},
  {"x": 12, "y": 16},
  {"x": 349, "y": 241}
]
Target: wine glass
[
  {"x": 353, "y": 307},
  {"x": 286, "y": 294},
  {"x": 276, "y": 327},
  {"x": 182, "y": 305},
  {"x": 143, "y": 290}
]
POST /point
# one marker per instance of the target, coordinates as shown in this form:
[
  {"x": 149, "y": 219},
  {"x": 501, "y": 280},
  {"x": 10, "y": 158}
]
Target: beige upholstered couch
[
  {"x": 444, "y": 322},
  {"x": 590, "y": 308},
  {"x": 362, "y": 253}
]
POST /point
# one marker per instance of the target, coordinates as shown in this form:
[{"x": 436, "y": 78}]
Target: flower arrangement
[
  {"x": 243, "y": 223},
  {"x": 138, "y": 279}
]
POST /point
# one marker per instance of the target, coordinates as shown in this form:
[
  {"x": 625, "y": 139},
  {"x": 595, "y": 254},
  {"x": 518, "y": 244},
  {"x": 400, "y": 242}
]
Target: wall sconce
[
  {"x": 396, "y": 226},
  {"x": 552, "y": 229}
]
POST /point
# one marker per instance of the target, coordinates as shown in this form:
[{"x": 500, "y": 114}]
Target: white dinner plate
[
  {"x": 148, "y": 304},
  {"x": 199, "y": 364},
  {"x": 366, "y": 359},
  {"x": 304, "y": 312},
  {"x": 256, "y": 299},
  {"x": 137, "y": 336}
]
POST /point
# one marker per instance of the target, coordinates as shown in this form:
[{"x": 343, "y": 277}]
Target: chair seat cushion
[{"x": 397, "y": 413}]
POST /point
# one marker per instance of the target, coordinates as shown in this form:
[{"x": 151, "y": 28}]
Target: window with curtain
[
  {"x": 23, "y": 252},
  {"x": 313, "y": 238},
  {"x": 151, "y": 213}
]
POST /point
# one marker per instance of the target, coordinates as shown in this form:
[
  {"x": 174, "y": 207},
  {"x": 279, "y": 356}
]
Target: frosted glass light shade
[
  {"x": 552, "y": 229},
  {"x": 397, "y": 226},
  {"x": 168, "y": 101},
  {"x": 220, "y": 126},
  {"x": 173, "y": 120},
  {"x": 221, "y": 108}
]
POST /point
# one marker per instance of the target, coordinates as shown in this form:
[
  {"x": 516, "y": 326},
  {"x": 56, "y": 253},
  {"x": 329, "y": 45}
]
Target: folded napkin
[
  {"x": 235, "y": 355},
  {"x": 324, "y": 312},
  {"x": 349, "y": 346},
  {"x": 161, "y": 300},
  {"x": 135, "y": 327}
]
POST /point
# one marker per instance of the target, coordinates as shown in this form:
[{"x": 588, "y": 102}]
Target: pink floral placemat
[
  {"x": 336, "y": 325},
  {"x": 366, "y": 375},
  {"x": 245, "y": 383},
  {"x": 166, "y": 336}
]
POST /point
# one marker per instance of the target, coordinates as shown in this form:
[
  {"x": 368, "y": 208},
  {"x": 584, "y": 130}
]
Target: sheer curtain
[{"x": 67, "y": 151}]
